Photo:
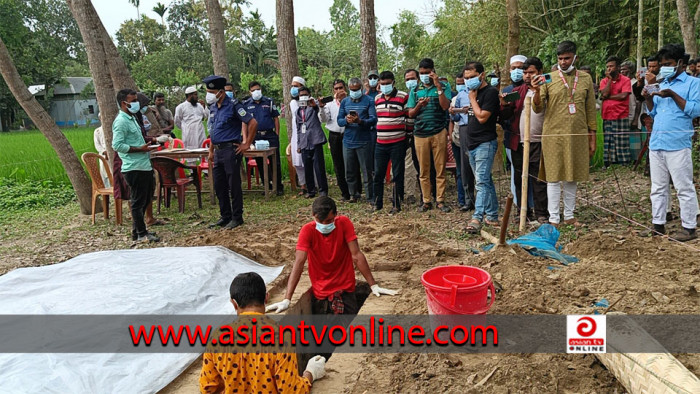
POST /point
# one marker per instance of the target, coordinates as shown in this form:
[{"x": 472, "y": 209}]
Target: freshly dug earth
[{"x": 614, "y": 264}]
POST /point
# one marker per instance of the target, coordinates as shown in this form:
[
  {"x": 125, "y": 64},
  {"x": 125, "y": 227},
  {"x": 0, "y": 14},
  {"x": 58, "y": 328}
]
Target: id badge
[
  {"x": 572, "y": 108},
  {"x": 303, "y": 129}
]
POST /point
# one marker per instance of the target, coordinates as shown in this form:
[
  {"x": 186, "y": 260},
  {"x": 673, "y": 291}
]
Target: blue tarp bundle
[{"x": 542, "y": 242}]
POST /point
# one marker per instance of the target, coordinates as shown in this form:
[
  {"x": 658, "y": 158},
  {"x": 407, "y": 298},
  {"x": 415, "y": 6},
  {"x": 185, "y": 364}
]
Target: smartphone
[
  {"x": 326, "y": 100},
  {"x": 652, "y": 88},
  {"x": 642, "y": 72},
  {"x": 353, "y": 113},
  {"x": 512, "y": 97},
  {"x": 546, "y": 78}
]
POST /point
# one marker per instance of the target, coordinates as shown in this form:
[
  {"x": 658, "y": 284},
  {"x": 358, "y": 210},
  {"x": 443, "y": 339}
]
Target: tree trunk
[
  {"x": 513, "y": 46},
  {"x": 687, "y": 27},
  {"x": 218, "y": 41},
  {"x": 121, "y": 77},
  {"x": 662, "y": 21},
  {"x": 287, "y": 52},
  {"x": 58, "y": 141},
  {"x": 368, "y": 32},
  {"x": 640, "y": 24},
  {"x": 99, "y": 67}
]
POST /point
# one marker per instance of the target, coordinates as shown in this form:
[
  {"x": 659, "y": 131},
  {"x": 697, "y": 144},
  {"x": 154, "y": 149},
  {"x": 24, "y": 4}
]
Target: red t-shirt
[
  {"x": 330, "y": 262},
  {"x": 616, "y": 109}
]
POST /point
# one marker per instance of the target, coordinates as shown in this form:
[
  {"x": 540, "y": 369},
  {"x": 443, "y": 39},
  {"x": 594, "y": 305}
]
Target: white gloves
[
  {"x": 316, "y": 367},
  {"x": 376, "y": 290},
  {"x": 278, "y": 306}
]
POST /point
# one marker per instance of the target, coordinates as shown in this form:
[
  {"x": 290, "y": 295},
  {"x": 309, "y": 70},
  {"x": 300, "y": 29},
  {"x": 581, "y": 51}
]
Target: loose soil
[{"x": 639, "y": 275}]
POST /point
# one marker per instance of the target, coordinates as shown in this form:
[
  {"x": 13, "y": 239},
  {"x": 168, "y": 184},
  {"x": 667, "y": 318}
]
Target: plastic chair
[
  {"x": 91, "y": 161},
  {"x": 251, "y": 165},
  {"x": 167, "y": 168},
  {"x": 177, "y": 144},
  {"x": 204, "y": 165}
]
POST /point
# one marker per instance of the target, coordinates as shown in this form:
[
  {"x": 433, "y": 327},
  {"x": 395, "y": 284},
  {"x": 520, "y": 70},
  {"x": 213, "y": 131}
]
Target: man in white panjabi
[
  {"x": 297, "y": 162},
  {"x": 188, "y": 118}
]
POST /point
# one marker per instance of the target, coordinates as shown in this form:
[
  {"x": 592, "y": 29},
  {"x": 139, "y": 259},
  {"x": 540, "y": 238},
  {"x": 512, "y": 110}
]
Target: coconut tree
[
  {"x": 160, "y": 9},
  {"x": 136, "y": 3}
]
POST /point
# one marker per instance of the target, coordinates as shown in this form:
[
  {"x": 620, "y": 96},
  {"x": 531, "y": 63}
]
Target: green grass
[{"x": 27, "y": 155}]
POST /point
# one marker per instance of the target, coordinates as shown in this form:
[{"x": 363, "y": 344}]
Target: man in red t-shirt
[
  {"x": 330, "y": 244},
  {"x": 615, "y": 90}
]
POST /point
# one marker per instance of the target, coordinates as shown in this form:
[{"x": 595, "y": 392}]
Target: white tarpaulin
[{"x": 161, "y": 281}]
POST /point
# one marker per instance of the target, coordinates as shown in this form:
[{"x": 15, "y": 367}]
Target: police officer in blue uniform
[
  {"x": 268, "y": 120},
  {"x": 232, "y": 130}
]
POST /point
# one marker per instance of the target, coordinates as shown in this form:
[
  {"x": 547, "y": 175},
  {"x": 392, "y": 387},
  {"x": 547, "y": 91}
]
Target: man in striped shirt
[{"x": 390, "y": 104}]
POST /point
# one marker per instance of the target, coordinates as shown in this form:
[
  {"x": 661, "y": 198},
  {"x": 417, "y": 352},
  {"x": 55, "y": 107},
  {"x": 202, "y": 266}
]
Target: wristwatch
[{"x": 440, "y": 92}]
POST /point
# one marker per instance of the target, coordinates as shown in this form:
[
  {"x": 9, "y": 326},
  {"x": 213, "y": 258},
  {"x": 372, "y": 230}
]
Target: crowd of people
[{"x": 375, "y": 128}]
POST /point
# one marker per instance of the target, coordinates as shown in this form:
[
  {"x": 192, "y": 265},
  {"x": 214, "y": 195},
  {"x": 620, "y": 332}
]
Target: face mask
[
  {"x": 355, "y": 94},
  {"x": 516, "y": 75},
  {"x": 134, "y": 107},
  {"x": 473, "y": 83},
  {"x": 373, "y": 82},
  {"x": 411, "y": 84},
  {"x": 571, "y": 67},
  {"x": 294, "y": 91},
  {"x": 494, "y": 82},
  {"x": 461, "y": 87},
  {"x": 229, "y": 95},
  {"x": 665, "y": 72},
  {"x": 425, "y": 78},
  {"x": 256, "y": 95},
  {"x": 143, "y": 110},
  {"x": 211, "y": 98},
  {"x": 386, "y": 89},
  {"x": 325, "y": 229}
]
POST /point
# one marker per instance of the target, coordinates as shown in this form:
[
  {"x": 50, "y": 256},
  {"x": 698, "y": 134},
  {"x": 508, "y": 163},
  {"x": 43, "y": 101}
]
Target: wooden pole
[
  {"x": 524, "y": 178},
  {"x": 504, "y": 224}
]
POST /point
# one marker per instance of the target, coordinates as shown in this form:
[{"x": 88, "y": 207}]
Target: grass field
[{"x": 28, "y": 156}]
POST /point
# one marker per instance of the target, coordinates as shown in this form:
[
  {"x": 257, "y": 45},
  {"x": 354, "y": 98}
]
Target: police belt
[
  {"x": 265, "y": 132},
  {"x": 223, "y": 145}
]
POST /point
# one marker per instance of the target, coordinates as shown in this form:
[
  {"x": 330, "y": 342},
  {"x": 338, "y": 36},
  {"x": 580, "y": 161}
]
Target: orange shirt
[{"x": 251, "y": 372}]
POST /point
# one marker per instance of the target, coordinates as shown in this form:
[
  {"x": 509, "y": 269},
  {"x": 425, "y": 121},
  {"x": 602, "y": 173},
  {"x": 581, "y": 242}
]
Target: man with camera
[{"x": 310, "y": 141}]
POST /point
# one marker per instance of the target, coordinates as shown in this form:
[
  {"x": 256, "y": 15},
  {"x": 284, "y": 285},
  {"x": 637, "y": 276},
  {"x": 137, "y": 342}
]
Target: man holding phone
[
  {"x": 358, "y": 116},
  {"x": 428, "y": 104},
  {"x": 329, "y": 115},
  {"x": 570, "y": 124}
]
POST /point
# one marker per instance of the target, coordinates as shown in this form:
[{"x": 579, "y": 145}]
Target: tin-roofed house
[{"x": 73, "y": 102}]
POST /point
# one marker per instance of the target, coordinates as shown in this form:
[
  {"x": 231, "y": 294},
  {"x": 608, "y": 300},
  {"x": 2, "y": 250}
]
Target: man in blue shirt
[
  {"x": 357, "y": 114},
  {"x": 263, "y": 110},
  {"x": 673, "y": 108},
  {"x": 232, "y": 131},
  {"x": 459, "y": 118},
  {"x": 133, "y": 150}
]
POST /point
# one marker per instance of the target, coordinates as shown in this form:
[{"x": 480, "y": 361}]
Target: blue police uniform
[
  {"x": 226, "y": 122},
  {"x": 265, "y": 113}
]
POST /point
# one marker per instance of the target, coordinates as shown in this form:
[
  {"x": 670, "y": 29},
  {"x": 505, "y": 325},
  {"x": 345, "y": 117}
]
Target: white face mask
[
  {"x": 571, "y": 67},
  {"x": 211, "y": 98},
  {"x": 256, "y": 94}
]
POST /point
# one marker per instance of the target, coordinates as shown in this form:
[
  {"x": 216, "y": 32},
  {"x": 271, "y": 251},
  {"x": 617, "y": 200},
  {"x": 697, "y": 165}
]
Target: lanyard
[
  {"x": 303, "y": 115},
  {"x": 567, "y": 85}
]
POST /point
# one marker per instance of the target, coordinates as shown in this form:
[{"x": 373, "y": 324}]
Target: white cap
[
  {"x": 190, "y": 89},
  {"x": 299, "y": 80},
  {"x": 518, "y": 58}
]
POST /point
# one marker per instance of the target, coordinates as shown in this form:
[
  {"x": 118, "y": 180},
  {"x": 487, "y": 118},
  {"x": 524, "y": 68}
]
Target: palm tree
[
  {"x": 160, "y": 9},
  {"x": 136, "y": 3}
]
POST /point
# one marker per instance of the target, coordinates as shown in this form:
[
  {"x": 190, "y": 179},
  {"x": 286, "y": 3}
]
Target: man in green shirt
[
  {"x": 428, "y": 104},
  {"x": 128, "y": 140}
]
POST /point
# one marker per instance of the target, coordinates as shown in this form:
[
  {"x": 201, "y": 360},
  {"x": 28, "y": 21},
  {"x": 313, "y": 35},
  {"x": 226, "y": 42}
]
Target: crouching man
[
  {"x": 254, "y": 369},
  {"x": 330, "y": 244}
]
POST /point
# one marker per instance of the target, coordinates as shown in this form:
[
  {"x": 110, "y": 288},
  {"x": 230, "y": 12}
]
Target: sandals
[
  {"x": 492, "y": 223},
  {"x": 473, "y": 227},
  {"x": 573, "y": 222}
]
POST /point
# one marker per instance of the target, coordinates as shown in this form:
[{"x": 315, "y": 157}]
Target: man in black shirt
[{"x": 482, "y": 143}]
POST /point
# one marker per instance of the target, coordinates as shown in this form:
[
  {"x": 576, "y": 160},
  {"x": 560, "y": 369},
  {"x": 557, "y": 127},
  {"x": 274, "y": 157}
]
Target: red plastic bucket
[{"x": 458, "y": 290}]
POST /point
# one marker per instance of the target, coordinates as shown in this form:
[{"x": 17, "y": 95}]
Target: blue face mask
[
  {"x": 143, "y": 110},
  {"x": 494, "y": 81},
  {"x": 386, "y": 89},
  {"x": 473, "y": 83},
  {"x": 516, "y": 75},
  {"x": 461, "y": 88},
  {"x": 325, "y": 229},
  {"x": 355, "y": 94},
  {"x": 134, "y": 107},
  {"x": 411, "y": 84},
  {"x": 665, "y": 72},
  {"x": 294, "y": 91},
  {"x": 373, "y": 82},
  {"x": 425, "y": 78},
  {"x": 229, "y": 94}
]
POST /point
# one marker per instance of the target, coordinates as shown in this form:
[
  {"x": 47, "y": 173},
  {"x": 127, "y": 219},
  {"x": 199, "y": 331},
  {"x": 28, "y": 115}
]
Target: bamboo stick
[{"x": 526, "y": 166}]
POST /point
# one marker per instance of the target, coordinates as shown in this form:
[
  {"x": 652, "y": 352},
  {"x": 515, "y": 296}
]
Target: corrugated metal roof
[{"x": 73, "y": 85}]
